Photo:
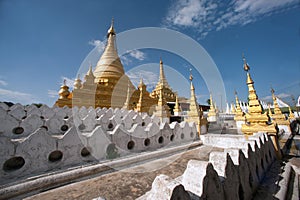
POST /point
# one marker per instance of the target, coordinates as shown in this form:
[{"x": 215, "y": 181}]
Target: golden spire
[
  {"x": 127, "y": 102},
  {"x": 64, "y": 91},
  {"x": 212, "y": 109},
  {"x": 239, "y": 115},
  {"x": 111, "y": 30},
  {"x": 194, "y": 112},
  {"x": 177, "y": 109},
  {"x": 255, "y": 118},
  {"x": 291, "y": 114},
  {"x": 162, "y": 110},
  {"x": 77, "y": 83},
  {"x": 89, "y": 77},
  {"x": 162, "y": 79},
  {"x": 278, "y": 117},
  {"x": 109, "y": 64}
]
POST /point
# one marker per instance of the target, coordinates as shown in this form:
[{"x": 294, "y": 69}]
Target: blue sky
[{"x": 41, "y": 42}]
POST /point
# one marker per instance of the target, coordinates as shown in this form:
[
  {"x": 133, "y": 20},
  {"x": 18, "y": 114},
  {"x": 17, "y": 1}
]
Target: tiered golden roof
[
  {"x": 256, "y": 120},
  {"x": 278, "y": 117},
  {"x": 163, "y": 85}
]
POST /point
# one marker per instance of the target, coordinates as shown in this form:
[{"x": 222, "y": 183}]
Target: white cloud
[
  {"x": 136, "y": 54},
  {"x": 16, "y": 97},
  {"x": 149, "y": 78},
  {"x": 210, "y": 15},
  {"x": 3, "y": 83},
  {"x": 99, "y": 44},
  {"x": 52, "y": 93},
  {"x": 139, "y": 55},
  {"x": 281, "y": 95}
]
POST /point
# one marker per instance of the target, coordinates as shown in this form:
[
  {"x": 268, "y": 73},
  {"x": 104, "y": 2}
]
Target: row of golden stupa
[{"x": 109, "y": 86}]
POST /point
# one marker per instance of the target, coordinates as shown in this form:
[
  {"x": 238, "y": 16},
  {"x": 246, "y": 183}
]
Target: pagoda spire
[
  {"x": 89, "y": 77},
  {"x": 109, "y": 65},
  {"x": 239, "y": 115},
  {"x": 212, "y": 113},
  {"x": 162, "y": 110},
  {"x": 278, "y": 117},
  {"x": 127, "y": 102},
  {"x": 177, "y": 110},
  {"x": 194, "y": 113},
  {"x": 162, "y": 78}
]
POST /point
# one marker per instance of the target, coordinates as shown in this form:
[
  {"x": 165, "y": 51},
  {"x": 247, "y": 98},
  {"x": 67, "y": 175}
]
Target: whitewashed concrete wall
[
  {"x": 39, "y": 140},
  {"x": 234, "y": 173}
]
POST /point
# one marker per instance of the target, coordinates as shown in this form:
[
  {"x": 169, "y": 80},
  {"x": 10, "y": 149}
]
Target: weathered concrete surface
[{"x": 125, "y": 184}]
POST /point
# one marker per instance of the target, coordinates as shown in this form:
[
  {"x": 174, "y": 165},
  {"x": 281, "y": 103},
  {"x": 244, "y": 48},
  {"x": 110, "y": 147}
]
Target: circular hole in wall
[
  {"x": 64, "y": 128},
  {"x": 192, "y": 134},
  {"x": 172, "y": 137},
  {"x": 130, "y": 145},
  {"x": 85, "y": 152},
  {"x": 143, "y": 123},
  {"x": 55, "y": 156},
  {"x": 13, "y": 164},
  {"x": 66, "y": 117},
  {"x": 160, "y": 139},
  {"x": 42, "y": 117},
  {"x": 45, "y": 127},
  {"x": 110, "y": 126},
  {"x": 182, "y": 136},
  {"x": 81, "y": 127},
  {"x": 18, "y": 130},
  {"x": 147, "y": 142}
]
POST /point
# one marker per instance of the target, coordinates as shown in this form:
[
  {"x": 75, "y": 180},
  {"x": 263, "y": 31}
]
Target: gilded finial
[
  {"x": 160, "y": 60},
  {"x": 246, "y": 66},
  {"x": 65, "y": 82},
  {"x": 191, "y": 76},
  {"x": 111, "y": 30},
  {"x": 272, "y": 90}
]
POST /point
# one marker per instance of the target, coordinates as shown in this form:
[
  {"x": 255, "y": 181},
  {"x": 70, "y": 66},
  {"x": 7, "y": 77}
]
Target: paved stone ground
[{"x": 129, "y": 183}]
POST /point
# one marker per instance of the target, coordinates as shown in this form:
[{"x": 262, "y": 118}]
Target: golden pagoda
[
  {"x": 64, "y": 96},
  {"x": 163, "y": 85},
  {"x": 256, "y": 120},
  {"x": 239, "y": 114},
  {"x": 278, "y": 117},
  {"x": 212, "y": 113},
  {"x": 162, "y": 110},
  {"x": 291, "y": 114},
  {"x": 194, "y": 113},
  {"x": 177, "y": 109},
  {"x": 108, "y": 85}
]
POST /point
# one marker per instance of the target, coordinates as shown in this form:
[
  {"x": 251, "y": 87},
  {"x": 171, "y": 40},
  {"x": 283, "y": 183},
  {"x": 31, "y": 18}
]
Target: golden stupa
[
  {"x": 195, "y": 114},
  {"x": 278, "y": 117},
  {"x": 256, "y": 120},
  {"x": 108, "y": 85},
  {"x": 163, "y": 86},
  {"x": 239, "y": 115}
]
